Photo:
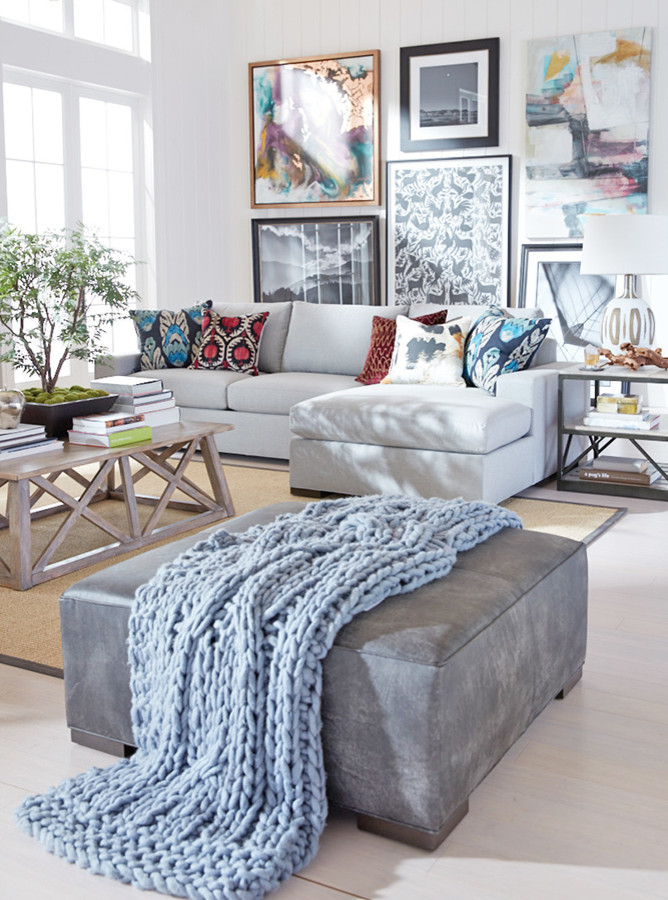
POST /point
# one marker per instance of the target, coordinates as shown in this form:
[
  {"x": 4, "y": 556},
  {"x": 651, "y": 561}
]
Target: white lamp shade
[{"x": 625, "y": 245}]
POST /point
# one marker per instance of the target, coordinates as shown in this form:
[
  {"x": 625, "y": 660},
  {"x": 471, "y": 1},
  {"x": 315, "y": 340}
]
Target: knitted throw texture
[{"x": 225, "y": 796}]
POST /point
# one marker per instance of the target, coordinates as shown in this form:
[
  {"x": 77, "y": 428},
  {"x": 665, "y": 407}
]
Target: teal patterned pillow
[
  {"x": 169, "y": 338},
  {"x": 498, "y": 344}
]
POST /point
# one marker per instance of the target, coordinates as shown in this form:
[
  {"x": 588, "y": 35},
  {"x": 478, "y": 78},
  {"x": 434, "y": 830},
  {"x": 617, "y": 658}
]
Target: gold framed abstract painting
[
  {"x": 587, "y": 129},
  {"x": 314, "y": 126}
]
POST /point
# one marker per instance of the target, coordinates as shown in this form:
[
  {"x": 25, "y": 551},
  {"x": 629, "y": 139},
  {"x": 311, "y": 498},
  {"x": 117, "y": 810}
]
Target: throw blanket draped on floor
[{"x": 225, "y": 797}]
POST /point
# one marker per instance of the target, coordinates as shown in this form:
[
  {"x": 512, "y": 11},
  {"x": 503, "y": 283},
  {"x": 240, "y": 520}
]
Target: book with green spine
[{"x": 114, "y": 439}]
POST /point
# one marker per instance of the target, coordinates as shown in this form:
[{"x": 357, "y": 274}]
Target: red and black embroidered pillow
[
  {"x": 230, "y": 342},
  {"x": 383, "y": 334}
]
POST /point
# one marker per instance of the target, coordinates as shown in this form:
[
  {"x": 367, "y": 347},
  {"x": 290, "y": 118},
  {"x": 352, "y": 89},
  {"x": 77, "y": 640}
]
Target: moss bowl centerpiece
[
  {"x": 60, "y": 291},
  {"x": 55, "y": 410}
]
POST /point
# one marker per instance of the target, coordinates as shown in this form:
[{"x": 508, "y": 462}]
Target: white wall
[{"x": 201, "y": 52}]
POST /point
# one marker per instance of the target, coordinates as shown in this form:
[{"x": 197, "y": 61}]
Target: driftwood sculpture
[{"x": 635, "y": 357}]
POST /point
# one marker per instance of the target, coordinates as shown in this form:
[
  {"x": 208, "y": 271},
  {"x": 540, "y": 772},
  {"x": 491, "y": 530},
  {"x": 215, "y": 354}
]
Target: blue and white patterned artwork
[{"x": 448, "y": 231}]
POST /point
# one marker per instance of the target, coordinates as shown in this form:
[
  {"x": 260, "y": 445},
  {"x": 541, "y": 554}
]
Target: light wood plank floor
[{"x": 577, "y": 809}]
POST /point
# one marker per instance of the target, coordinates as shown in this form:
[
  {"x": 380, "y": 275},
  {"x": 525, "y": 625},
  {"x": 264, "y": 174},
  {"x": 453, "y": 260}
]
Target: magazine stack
[
  {"x": 110, "y": 429},
  {"x": 15, "y": 443},
  {"x": 145, "y": 396},
  {"x": 619, "y": 470}
]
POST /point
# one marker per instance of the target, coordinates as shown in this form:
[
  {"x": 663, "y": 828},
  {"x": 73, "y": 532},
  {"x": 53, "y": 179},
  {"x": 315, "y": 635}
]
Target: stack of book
[
  {"x": 619, "y": 470},
  {"x": 24, "y": 439},
  {"x": 643, "y": 420},
  {"x": 109, "y": 430},
  {"x": 145, "y": 396}
]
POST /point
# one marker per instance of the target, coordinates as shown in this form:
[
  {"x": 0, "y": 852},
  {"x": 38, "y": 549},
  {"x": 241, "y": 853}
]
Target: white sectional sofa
[{"x": 343, "y": 437}]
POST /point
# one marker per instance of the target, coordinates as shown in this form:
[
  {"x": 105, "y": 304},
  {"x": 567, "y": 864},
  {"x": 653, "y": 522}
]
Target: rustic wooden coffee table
[{"x": 29, "y": 479}]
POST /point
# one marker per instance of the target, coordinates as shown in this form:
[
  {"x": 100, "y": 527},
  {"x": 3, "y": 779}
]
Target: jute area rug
[{"x": 29, "y": 620}]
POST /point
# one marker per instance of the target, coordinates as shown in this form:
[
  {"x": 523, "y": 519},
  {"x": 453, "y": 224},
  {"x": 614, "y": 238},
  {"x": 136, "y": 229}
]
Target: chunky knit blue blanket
[{"x": 225, "y": 796}]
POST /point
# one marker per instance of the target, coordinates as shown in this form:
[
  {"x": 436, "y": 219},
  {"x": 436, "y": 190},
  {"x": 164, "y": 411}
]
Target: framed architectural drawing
[
  {"x": 448, "y": 229},
  {"x": 328, "y": 260},
  {"x": 450, "y": 95},
  {"x": 587, "y": 126},
  {"x": 550, "y": 279},
  {"x": 314, "y": 126}
]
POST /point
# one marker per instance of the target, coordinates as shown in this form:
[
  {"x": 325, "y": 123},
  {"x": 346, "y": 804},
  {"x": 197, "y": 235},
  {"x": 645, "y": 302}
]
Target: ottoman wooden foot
[
  {"x": 105, "y": 745},
  {"x": 570, "y": 684},
  {"x": 416, "y": 837},
  {"x": 306, "y": 492}
]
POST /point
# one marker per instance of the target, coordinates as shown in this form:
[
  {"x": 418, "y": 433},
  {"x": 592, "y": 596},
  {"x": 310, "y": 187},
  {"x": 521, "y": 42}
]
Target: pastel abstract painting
[
  {"x": 587, "y": 116},
  {"x": 315, "y": 131}
]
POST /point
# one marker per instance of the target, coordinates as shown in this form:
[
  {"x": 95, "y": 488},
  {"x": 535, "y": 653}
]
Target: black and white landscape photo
[
  {"x": 316, "y": 261},
  {"x": 449, "y": 95}
]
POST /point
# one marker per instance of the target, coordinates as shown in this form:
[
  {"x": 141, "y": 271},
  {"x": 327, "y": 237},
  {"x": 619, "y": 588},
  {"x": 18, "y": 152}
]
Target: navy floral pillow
[
  {"x": 169, "y": 338},
  {"x": 498, "y": 344}
]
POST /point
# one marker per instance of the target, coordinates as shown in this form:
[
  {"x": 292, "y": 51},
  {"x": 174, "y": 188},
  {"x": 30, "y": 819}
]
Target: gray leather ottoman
[{"x": 422, "y": 695}]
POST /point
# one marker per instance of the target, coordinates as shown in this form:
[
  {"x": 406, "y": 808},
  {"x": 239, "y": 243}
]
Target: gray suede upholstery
[{"x": 422, "y": 695}]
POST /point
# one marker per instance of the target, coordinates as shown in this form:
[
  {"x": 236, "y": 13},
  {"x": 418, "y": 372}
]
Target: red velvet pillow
[
  {"x": 383, "y": 333},
  {"x": 230, "y": 342}
]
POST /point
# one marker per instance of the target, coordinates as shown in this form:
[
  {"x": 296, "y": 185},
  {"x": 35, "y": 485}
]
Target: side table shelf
[{"x": 599, "y": 439}]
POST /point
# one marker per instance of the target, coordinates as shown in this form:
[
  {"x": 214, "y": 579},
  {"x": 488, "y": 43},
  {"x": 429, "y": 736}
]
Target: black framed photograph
[
  {"x": 550, "y": 279},
  {"x": 317, "y": 260},
  {"x": 448, "y": 231},
  {"x": 450, "y": 95}
]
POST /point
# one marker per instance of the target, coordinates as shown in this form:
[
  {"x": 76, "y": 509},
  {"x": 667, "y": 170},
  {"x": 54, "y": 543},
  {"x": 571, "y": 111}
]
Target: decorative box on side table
[{"x": 599, "y": 439}]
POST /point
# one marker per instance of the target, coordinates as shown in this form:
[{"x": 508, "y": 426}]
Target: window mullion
[
  {"x": 68, "y": 17},
  {"x": 72, "y": 155}
]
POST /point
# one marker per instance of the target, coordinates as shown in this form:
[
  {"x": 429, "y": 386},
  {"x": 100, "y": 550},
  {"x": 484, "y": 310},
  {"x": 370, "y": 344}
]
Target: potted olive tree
[{"x": 59, "y": 292}]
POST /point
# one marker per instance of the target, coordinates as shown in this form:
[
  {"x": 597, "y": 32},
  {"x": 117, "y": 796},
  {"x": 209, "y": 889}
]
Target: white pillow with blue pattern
[{"x": 499, "y": 343}]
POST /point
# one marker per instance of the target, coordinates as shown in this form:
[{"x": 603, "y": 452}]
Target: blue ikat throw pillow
[
  {"x": 169, "y": 338},
  {"x": 498, "y": 344}
]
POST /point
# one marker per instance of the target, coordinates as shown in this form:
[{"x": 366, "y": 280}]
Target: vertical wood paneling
[
  {"x": 545, "y": 19},
  {"x": 431, "y": 22},
  {"x": 454, "y": 20},
  {"x": 498, "y": 25},
  {"x": 292, "y": 43},
  {"x": 390, "y": 42},
  {"x": 330, "y": 27},
  {"x": 311, "y": 30},
  {"x": 569, "y": 16},
  {"x": 618, "y": 13},
  {"x": 349, "y": 13},
  {"x": 410, "y": 23},
  {"x": 594, "y": 15},
  {"x": 645, "y": 12},
  {"x": 475, "y": 19},
  {"x": 369, "y": 25}
]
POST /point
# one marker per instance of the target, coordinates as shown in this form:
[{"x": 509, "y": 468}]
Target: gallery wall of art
[{"x": 203, "y": 183}]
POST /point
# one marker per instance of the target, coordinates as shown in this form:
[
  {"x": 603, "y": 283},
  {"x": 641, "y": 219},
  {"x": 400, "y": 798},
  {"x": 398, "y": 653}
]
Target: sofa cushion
[
  {"x": 274, "y": 333},
  {"x": 230, "y": 342},
  {"x": 331, "y": 339},
  {"x": 381, "y": 347},
  {"x": 201, "y": 388},
  {"x": 168, "y": 337},
  {"x": 421, "y": 417},
  {"x": 428, "y": 354},
  {"x": 498, "y": 344},
  {"x": 277, "y": 393}
]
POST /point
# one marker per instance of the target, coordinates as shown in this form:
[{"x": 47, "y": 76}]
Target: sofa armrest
[
  {"x": 537, "y": 388},
  {"x": 123, "y": 364}
]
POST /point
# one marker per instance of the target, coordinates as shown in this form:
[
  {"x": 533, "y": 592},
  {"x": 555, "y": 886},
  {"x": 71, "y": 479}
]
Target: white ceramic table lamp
[{"x": 626, "y": 245}]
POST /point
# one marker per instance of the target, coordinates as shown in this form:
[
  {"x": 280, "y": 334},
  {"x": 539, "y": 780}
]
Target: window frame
[{"x": 71, "y": 92}]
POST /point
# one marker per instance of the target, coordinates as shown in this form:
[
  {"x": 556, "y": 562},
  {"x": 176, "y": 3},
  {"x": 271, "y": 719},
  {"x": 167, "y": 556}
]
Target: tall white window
[
  {"x": 121, "y": 24},
  {"x": 46, "y": 14},
  {"x": 74, "y": 154},
  {"x": 34, "y": 157}
]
